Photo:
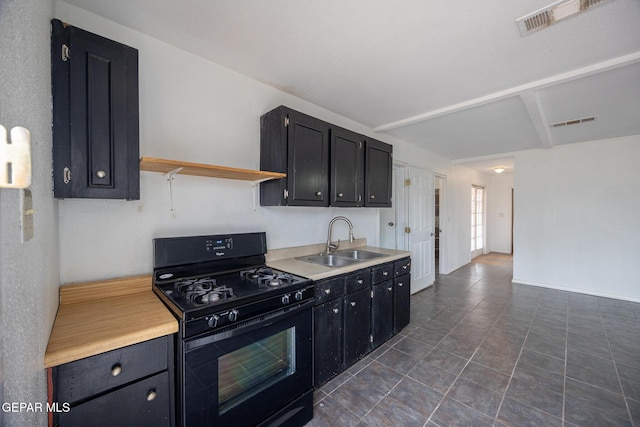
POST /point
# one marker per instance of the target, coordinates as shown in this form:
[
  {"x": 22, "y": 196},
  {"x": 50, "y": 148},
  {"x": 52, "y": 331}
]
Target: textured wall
[{"x": 29, "y": 271}]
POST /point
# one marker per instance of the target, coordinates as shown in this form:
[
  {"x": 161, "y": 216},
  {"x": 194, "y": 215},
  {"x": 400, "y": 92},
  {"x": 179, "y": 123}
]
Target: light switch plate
[
  {"x": 26, "y": 211},
  {"x": 15, "y": 158}
]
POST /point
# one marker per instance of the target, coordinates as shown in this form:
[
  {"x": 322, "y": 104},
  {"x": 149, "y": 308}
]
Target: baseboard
[{"x": 578, "y": 291}]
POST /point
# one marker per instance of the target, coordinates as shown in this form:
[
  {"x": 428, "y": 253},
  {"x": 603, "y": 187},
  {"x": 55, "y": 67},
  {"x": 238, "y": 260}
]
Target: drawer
[
  {"x": 87, "y": 377},
  {"x": 357, "y": 281},
  {"x": 326, "y": 290},
  {"x": 402, "y": 267},
  {"x": 145, "y": 403},
  {"x": 381, "y": 273}
]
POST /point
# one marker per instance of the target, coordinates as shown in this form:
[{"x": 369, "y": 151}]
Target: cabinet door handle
[
  {"x": 336, "y": 311},
  {"x": 373, "y": 197},
  {"x": 389, "y": 288},
  {"x": 151, "y": 395},
  {"x": 353, "y": 303},
  {"x": 116, "y": 369},
  {"x": 327, "y": 291},
  {"x": 319, "y": 193},
  {"x": 400, "y": 284},
  {"x": 101, "y": 174},
  {"x": 340, "y": 194}
]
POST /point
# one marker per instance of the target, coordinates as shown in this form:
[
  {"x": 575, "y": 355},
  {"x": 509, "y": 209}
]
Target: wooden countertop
[
  {"x": 97, "y": 317},
  {"x": 285, "y": 259}
]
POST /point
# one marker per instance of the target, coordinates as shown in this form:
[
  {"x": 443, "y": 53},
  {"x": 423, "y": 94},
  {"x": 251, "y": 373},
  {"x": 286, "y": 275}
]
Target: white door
[
  {"x": 394, "y": 220},
  {"x": 421, "y": 235}
]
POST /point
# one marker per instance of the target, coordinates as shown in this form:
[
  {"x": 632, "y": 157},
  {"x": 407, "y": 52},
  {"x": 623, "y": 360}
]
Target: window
[{"x": 477, "y": 220}]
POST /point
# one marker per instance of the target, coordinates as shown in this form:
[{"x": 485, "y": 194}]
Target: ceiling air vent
[
  {"x": 573, "y": 122},
  {"x": 553, "y": 13}
]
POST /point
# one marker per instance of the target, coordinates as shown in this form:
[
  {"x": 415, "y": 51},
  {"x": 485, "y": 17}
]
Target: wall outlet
[{"x": 26, "y": 212}]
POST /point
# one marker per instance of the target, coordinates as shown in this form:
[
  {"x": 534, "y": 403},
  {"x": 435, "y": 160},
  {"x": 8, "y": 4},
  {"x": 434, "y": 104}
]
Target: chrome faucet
[{"x": 332, "y": 247}]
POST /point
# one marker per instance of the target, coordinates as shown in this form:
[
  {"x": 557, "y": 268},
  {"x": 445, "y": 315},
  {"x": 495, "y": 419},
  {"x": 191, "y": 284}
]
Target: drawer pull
[
  {"x": 353, "y": 303},
  {"x": 151, "y": 395},
  {"x": 116, "y": 370},
  {"x": 404, "y": 267},
  {"x": 385, "y": 273},
  {"x": 389, "y": 288},
  {"x": 327, "y": 291},
  {"x": 360, "y": 281},
  {"x": 340, "y": 195},
  {"x": 336, "y": 311}
]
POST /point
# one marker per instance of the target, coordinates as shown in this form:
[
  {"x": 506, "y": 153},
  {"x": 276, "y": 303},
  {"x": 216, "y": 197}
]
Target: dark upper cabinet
[
  {"x": 347, "y": 168},
  {"x": 325, "y": 164},
  {"x": 378, "y": 175},
  {"x": 95, "y": 116},
  {"x": 298, "y": 145}
]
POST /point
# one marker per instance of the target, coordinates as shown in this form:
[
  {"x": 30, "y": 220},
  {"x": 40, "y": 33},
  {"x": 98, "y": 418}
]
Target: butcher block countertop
[
  {"x": 285, "y": 259},
  {"x": 97, "y": 317}
]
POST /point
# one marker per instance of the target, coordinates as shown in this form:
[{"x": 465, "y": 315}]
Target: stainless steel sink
[
  {"x": 329, "y": 260},
  {"x": 358, "y": 254}
]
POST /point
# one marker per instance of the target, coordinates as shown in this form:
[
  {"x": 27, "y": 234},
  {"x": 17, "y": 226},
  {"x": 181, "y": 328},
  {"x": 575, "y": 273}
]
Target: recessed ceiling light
[{"x": 553, "y": 13}]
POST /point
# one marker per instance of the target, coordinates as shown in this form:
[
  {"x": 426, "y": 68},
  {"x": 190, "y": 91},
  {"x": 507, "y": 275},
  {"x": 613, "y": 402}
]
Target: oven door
[{"x": 245, "y": 375}]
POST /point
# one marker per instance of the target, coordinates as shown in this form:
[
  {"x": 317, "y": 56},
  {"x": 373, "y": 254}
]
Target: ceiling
[{"x": 454, "y": 77}]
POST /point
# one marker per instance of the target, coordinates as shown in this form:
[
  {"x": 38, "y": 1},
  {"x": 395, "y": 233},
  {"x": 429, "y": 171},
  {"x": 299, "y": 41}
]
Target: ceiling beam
[
  {"x": 531, "y": 103},
  {"x": 599, "y": 67}
]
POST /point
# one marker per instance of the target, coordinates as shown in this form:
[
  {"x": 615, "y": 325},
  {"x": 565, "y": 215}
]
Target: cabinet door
[
  {"x": 357, "y": 321},
  {"x": 308, "y": 161},
  {"x": 95, "y": 107},
  {"x": 382, "y": 312},
  {"x": 401, "y": 302},
  {"x": 144, "y": 403},
  {"x": 327, "y": 341},
  {"x": 378, "y": 175},
  {"x": 347, "y": 168}
]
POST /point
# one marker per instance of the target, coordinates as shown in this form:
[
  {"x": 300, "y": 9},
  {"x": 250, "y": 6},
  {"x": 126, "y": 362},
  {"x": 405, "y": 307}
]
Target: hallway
[{"x": 481, "y": 351}]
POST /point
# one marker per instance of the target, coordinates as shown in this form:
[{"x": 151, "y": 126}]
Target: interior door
[
  {"x": 421, "y": 233},
  {"x": 393, "y": 221}
]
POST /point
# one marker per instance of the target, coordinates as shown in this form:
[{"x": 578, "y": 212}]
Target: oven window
[{"x": 255, "y": 367}]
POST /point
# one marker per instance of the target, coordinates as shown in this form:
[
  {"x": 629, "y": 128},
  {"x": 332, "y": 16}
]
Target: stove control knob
[
  {"x": 233, "y": 315},
  {"x": 298, "y": 296},
  {"x": 285, "y": 299},
  {"x": 213, "y": 321}
]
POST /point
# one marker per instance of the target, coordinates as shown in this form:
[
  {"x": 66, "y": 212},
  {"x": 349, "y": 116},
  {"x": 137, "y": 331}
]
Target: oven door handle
[{"x": 246, "y": 326}]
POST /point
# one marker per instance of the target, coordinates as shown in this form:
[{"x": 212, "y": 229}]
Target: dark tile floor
[{"x": 481, "y": 351}]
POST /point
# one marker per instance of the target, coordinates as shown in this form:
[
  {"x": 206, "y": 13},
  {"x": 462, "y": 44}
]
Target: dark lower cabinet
[
  {"x": 95, "y": 116},
  {"x": 356, "y": 313},
  {"x": 131, "y": 386},
  {"x": 357, "y": 320},
  {"x": 382, "y": 313},
  {"x": 401, "y": 294},
  {"x": 145, "y": 403},
  {"x": 401, "y": 302},
  {"x": 328, "y": 337}
]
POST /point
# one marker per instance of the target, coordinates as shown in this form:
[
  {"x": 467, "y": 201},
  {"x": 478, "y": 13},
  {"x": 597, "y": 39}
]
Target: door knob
[{"x": 391, "y": 224}]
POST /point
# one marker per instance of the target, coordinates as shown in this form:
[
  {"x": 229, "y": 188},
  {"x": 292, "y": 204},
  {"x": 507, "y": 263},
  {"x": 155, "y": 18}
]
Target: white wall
[
  {"x": 195, "y": 110},
  {"x": 499, "y": 213},
  {"x": 576, "y": 218},
  {"x": 29, "y": 279}
]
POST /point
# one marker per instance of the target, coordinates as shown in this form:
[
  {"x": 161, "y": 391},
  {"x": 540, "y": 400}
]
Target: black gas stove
[
  {"x": 226, "y": 273},
  {"x": 231, "y": 309}
]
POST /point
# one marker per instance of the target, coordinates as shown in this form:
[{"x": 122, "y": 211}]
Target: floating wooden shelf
[{"x": 199, "y": 169}]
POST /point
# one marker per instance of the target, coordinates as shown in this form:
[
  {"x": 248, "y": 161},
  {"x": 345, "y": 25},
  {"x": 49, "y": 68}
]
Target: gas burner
[
  {"x": 266, "y": 277},
  {"x": 202, "y": 291}
]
